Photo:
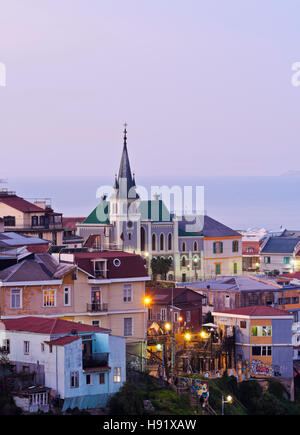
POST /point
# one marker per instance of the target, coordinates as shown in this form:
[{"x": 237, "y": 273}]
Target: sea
[{"x": 241, "y": 202}]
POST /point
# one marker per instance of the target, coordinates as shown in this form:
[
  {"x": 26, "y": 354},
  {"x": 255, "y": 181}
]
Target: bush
[
  {"x": 249, "y": 392},
  {"x": 128, "y": 401}
]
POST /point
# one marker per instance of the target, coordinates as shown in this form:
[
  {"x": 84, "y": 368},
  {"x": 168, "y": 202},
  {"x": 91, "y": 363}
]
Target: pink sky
[{"x": 205, "y": 86}]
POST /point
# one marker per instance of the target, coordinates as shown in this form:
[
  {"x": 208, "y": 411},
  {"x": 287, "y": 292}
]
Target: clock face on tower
[{"x": 129, "y": 224}]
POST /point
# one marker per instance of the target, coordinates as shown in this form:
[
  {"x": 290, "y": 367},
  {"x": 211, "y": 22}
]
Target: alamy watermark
[
  {"x": 135, "y": 203},
  {"x": 2, "y": 75},
  {"x": 296, "y": 74}
]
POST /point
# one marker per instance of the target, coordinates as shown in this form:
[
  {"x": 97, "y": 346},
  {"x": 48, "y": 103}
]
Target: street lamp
[
  {"x": 228, "y": 400},
  {"x": 188, "y": 339},
  {"x": 147, "y": 301}
]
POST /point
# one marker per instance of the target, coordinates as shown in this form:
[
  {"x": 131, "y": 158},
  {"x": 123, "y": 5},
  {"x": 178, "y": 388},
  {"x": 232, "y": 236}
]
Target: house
[
  {"x": 280, "y": 254},
  {"x": 70, "y": 238},
  {"x": 251, "y": 256},
  {"x": 235, "y": 292},
  {"x": 201, "y": 247},
  {"x": 32, "y": 219},
  {"x": 263, "y": 342},
  {"x": 181, "y": 307},
  {"x": 83, "y": 364},
  {"x": 106, "y": 289}
]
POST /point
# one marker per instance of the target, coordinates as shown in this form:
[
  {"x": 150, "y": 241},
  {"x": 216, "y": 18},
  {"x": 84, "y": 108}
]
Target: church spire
[{"x": 125, "y": 170}]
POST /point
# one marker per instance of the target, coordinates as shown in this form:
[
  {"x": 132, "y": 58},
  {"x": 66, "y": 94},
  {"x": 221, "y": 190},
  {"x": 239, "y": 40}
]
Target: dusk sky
[{"x": 204, "y": 85}]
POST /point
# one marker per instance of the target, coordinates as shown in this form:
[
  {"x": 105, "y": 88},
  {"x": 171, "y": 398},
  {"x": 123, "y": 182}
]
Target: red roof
[
  {"x": 257, "y": 311},
  {"x": 295, "y": 275},
  {"x": 131, "y": 265},
  {"x": 62, "y": 341},
  {"x": 45, "y": 325},
  {"x": 69, "y": 223},
  {"x": 255, "y": 245},
  {"x": 20, "y": 204}
]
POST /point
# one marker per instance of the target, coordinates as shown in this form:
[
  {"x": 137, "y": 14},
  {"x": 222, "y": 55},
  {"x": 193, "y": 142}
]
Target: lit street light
[{"x": 228, "y": 400}]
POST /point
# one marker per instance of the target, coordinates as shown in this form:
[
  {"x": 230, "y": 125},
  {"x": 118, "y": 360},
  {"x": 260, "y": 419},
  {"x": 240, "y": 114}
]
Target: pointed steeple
[{"x": 125, "y": 170}]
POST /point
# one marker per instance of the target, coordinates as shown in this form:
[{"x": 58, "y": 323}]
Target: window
[
  {"x": 227, "y": 301},
  {"x": 161, "y": 242},
  {"x": 128, "y": 327},
  {"x": 188, "y": 316},
  {"x": 150, "y": 313},
  {"x": 183, "y": 247},
  {"x": 235, "y": 246},
  {"x": 266, "y": 351},
  {"x": 195, "y": 246},
  {"x": 16, "y": 298},
  {"x": 6, "y": 345},
  {"x": 9, "y": 221},
  {"x": 101, "y": 378},
  {"x": 286, "y": 260},
  {"x": 261, "y": 331},
  {"x": 96, "y": 322},
  {"x": 175, "y": 317},
  {"x": 117, "y": 262},
  {"x": 26, "y": 347},
  {"x": 170, "y": 242},
  {"x": 218, "y": 269},
  {"x": 267, "y": 260},
  {"x": 250, "y": 250},
  {"x": 42, "y": 221},
  {"x": 127, "y": 293},
  {"x": 295, "y": 300},
  {"x": 50, "y": 348},
  {"x": 243, "y": 324},
  {"x": 235, "y": 268},
  {"x": 117, "y": 374},
  {"x": 88, "y": 379},
  {"x": 129, "y": 236},
  {"x": 49, "y": 298},
  {"x": 183, "y": 262},
  {"x": 218, "y": 247},
  {"x": 67, "y": 296},
  {"x": 153, "y": 242},
  {"x": 163, "y": 314},
  {"x": 74, "y": 379},
  {"x": 256, "y": 351},
  {"x": 34, "y": 221},
  {"x": 42, "y": 347}
]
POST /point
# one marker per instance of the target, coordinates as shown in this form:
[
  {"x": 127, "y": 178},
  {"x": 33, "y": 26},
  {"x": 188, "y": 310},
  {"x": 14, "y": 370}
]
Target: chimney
[
  {"x": 1, "y": 225},
  {"x": 41, "y": 204}
]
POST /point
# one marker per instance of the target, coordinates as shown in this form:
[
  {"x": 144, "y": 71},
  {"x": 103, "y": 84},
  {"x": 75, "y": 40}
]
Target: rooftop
[
  {"x": 45, "y": 325},
  {"x": 280, "y": 245},
  {"x": 255, "y": 311}
]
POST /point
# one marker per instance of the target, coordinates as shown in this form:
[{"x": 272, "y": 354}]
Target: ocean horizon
[{"x": 240, "y": 202}]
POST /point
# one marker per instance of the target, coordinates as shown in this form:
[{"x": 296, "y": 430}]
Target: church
[{"x": 123, "y": 221}]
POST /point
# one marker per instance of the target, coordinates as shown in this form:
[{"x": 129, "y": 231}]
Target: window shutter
[
  {"x": 221, "y": 247},
  {"x": 215, "y": 250}
]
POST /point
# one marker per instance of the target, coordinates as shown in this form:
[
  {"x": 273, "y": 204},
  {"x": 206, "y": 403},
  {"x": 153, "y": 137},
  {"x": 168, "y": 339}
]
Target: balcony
[
  {"x": 96, "y": 308},
  {"x": 95, "y": 360}
]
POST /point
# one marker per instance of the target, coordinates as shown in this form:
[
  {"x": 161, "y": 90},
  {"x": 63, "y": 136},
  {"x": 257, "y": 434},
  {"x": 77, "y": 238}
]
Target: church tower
[{"x": 124, "y": 205}]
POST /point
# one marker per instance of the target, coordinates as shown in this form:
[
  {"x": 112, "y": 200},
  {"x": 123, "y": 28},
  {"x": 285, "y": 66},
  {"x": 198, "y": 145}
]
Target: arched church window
[
  {"x": 195, "y": 246},
  {"x": 183, "y": 262},
  {"x": 162, "y": 242},
  {"x": 183, "y": 247},
  {"x": 170, "y": 242},
  {"x": 153, "y": 242},
  {"x": 143, "y": 239}
]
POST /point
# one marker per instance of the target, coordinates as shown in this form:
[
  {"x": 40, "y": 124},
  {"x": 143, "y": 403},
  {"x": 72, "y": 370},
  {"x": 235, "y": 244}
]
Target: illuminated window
[
  {"x": 117, "y": 374},
  {"x": 49, "y": 298}
]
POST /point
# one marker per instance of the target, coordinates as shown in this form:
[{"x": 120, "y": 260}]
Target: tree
[{"x": 160, "y": 266}]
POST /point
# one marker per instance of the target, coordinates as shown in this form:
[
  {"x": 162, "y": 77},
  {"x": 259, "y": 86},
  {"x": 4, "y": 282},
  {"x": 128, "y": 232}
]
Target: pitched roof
[
  {"x": 45, "y": 325},
  {"x": 69, "y": 223},
  {"x": 253, "y": 246},
  {"x": 235, "y": 283},
  {"x": 62, "y": 341},
  {"x": 100, "y": 215},
  {"x": 20, "y": 204},
  {"x": 38, "y": 267},
  {"x": 211, "y": 228},
  {"x": 280, "y": 245},
  {"x": 255, "y": 311},
  {"x": 163, "y": 295},
  {"x": 131, "y": 265},
  {"x": 11, "y": 239}
]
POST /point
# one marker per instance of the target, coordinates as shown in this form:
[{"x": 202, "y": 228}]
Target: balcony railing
[
  {"x": 95, "y": 360},
  {"x": 96, "y": 308}
]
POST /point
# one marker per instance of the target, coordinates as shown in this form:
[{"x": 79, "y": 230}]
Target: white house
[{"x": 82, "y": 364}]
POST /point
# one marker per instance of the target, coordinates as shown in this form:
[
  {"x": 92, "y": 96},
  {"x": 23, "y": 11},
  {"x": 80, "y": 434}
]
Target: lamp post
[
  {"x": 147, "y": 301},
  {"x": 188, "y": 338},
  {"x": 228, "y": 400}
]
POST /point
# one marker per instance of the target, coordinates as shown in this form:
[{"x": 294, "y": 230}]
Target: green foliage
[
  {"x": 160, "y": 266},
  {"x": 128, "y": 401},
  {"x": 208, "y": 318},
  {"x": 249, "y": 392}
]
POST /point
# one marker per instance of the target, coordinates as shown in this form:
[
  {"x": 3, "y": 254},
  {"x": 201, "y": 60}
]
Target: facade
[
  {"x": 70, "y": 239},
  {"x": 82, "y": 364},
  {"x": 105, "y": 289},
  {"x": 124, "y": 221},
  {"x": 263, "y": 342},
  {"x": 31, "y": 219},
  {"x": 181, "y": 307},
  {"x": 280, "y": 254},
  {"x": 251, "y": 256},
  {"x": 236, "y": 292}
]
